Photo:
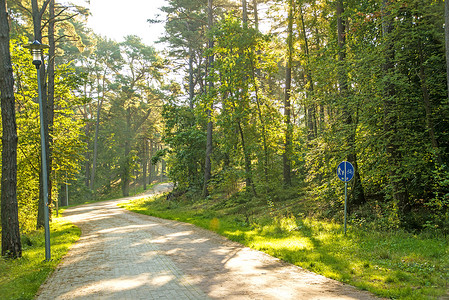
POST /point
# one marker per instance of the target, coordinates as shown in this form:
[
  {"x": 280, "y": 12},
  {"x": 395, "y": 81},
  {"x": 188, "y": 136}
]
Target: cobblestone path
[{"x": 123, "y": 255}]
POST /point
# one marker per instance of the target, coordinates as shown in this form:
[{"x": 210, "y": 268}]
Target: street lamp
[{"x": 37, "y": 49}]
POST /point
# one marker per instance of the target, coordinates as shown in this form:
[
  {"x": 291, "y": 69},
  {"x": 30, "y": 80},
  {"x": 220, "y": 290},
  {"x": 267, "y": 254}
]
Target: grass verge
[
  {"x": 21, "y": 278},
  {"x": 396, "y": 265}
]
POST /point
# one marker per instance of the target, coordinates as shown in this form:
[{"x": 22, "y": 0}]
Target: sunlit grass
[
  {"x": 395, "y": 265},
  {"x": 21, "y": 278}
]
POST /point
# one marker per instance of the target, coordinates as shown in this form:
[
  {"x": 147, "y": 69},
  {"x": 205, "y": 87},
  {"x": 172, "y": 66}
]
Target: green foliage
[
  {"x": 67, "y": 148},
  {"x": 247, "y": 126},
  {"x": 186, "y": 32},
  {"x": 396, "y": 154},
  {"x": 439, "y": 205},
  {"x": 187, "y": 143},
  {"x": 122, "y": 91},
  {"x": 379, "y": 98}
]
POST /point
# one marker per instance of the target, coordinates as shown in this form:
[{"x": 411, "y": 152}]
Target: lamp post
[{"x": 36, "y": 49}]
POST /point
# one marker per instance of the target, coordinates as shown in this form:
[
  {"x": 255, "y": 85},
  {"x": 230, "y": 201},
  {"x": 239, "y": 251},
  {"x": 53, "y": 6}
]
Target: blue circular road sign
[{"x": 345, "y": 171}]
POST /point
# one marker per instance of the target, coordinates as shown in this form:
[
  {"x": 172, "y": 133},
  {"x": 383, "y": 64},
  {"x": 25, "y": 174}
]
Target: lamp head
[{"x": 36, "y": 49}]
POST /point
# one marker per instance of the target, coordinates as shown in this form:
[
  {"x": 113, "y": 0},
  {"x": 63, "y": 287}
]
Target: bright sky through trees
[{"x": 116, "y": 19}]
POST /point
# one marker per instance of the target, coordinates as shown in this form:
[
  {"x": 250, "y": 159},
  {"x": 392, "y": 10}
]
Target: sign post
[{"x": 345, "y": 172}]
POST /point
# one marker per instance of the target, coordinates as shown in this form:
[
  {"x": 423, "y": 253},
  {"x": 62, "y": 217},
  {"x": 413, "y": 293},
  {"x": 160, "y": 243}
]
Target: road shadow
[{"x": 123, "y": 255}]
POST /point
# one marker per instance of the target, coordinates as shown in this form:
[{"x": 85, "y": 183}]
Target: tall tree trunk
[
  {"x": 97, "y": 129},
  {"x": 199, "y": 76},
  {"x": 11, "y": 245},
  {"x": 207, "y": 166},
  {"x": 341, "y": 37},
  {"x": 310, "y": 107},
  {"x": 358, "y": 194},
  {"x": 163, "y": 168},
  {"x": 151, "y": 166},
  {"x": 428, "y": 105},
  {"x": 126, "y": 172},
  {"x": 88, "y": 162},
  {"x": 262, "y": 122},
  {"x": 144, "y": 162},
  {"x": 256, "y": 15},
  {"x": 51, "y": 96},
  {"x": 191, "y": 83},
  {"x": 446, "y": 35},
  {"x": 256, "y": 26},
  {"x": 244, "y": 13},
  {"x": 37, "y": 13},
  {"x": 398, "y": 186},
  {"x": 248, "y": 169},
  {"x": 287, "y": 105},
  {"x": 320, "y": 125}
]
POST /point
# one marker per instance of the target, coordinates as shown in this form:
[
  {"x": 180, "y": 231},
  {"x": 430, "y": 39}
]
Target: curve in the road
[{"x": 123, "y": 255}]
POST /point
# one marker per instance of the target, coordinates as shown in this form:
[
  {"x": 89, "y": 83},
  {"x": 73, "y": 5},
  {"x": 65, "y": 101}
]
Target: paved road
[{"x": 123, "y": 255}]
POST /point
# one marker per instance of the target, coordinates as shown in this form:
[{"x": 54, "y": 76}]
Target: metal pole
[
  {"x": 66, "y": 190},
  {"x": 44, "y": 168},
  {"x": 346, "y": 202}
]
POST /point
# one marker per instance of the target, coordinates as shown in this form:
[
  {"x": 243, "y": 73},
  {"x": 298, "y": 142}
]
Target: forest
[{"x": 250, "y": 102}]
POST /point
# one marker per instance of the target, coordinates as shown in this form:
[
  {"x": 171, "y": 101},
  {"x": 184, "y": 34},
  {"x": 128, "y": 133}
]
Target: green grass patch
[
  {"x": 21, "y": 278},
  {"x": 396, "y": 265}
]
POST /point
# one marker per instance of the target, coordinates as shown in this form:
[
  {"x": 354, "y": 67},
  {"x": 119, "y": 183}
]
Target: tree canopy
[{"x": 252, "y": 100}]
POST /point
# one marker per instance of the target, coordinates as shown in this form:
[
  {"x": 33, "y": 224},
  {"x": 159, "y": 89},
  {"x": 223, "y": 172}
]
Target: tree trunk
[
  {"x": 207, "y": 166},
  {"x": 398, "y": 186},
  {"x": 191, "y": 84},
  {"x": 126, "y": 172},
  {"x": 144, "y": 162},
  {"x": 199, "y": 76},
  {"x": 446, "y": 35},
  {"x": 37, "y": 13},
  {"x": 358, "y": 195},
  {"x": 151, "y": 166},
  {"x": 428, "y": 106},
  {"x": 287, "y": 105},
  {"x": 244, "y": 13},
  {"x": 262, "y": 123},
  {"x": 256, "y": 15},
  {"x": 51, "y": 97},
  {"x": 97, "y": 129},
  {"x": 163, "y": 168},
  {"x": 11, "y": 245},
  {"x": 310, "y": 108},
  {"x": 88, "y": 162},
  {"x": 248, "y": 171},
  {"x": 319, "y": 125}
]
